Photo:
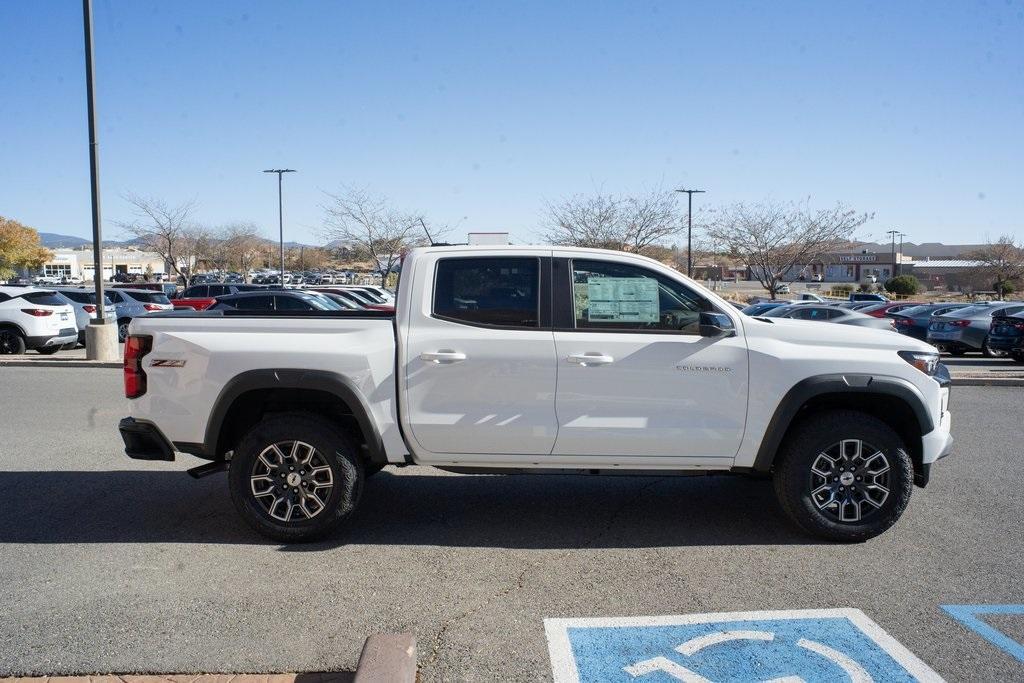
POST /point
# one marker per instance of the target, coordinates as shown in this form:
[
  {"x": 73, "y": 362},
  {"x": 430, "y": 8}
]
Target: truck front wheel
[
  {"x": 843, "y": 476},
  {"x": 295, "y": 477}
]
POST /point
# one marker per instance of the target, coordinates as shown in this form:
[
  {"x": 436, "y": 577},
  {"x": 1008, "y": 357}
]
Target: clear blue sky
[{"x": 476, "y": 113}]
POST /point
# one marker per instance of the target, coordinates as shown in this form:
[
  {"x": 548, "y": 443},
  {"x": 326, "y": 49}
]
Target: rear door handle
[
  {"x": 590, "y": 358},
  {"x": 443, "y": 356}
]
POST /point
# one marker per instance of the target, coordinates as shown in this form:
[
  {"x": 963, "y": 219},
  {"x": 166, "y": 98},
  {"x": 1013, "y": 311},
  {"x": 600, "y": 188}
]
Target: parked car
[
  {"x": 616, "y": 362},
  {"x": 763, "y": 307},
  {"x": 361, "y": 299},
  {"x": 83, "y": 301},
  {"x": 867, "y": 296},
  {"x": 276, "y": 300},
  {"x": 966, "y": 329},
  {"x": 829, "y": 314},
  {"x": 782, "y": 288},
  {"x": 1006, "y": 334},
  {"x": 37, "y": 319},
  {"x": 914, "y": 321},
  {"x": 132, "y": 303},
  {"x": 880, "y": 310},
  {"x": 200, "y": 297},
  {"x": 168, "y": 288},
  {"x": 855, "y": 305}
]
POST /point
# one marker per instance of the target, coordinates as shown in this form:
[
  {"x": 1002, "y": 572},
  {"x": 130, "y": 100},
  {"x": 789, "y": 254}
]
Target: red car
[{"x": 880, "y": 310}]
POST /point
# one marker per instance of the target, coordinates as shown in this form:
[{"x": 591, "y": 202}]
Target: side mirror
[{"x": 716, "y": 325}]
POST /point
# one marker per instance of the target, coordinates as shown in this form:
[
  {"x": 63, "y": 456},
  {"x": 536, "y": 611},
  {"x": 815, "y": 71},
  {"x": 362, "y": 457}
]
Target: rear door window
[
  {"x": 43, "y": 298},
  {"x": 293, "y": 303},
  {"x": 491, "y": 291},
  {"x": 253, "y": 303}
]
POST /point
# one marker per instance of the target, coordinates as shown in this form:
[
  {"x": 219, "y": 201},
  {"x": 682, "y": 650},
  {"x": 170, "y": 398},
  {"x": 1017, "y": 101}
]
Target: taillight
[
  {"x": 37, "y": 312},
  {"x": 1019, "y": 326},
  {"x": 135, "y": 348},
  {"x": 152, "y": 307},
  {"x": 903, "y": 322},
  {"x": 960, "y": 323},
  {"x": 89, "y": 308}
]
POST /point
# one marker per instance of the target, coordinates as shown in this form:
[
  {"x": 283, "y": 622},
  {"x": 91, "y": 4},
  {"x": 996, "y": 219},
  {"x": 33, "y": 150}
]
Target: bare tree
[
  {"x": 372, "y": 227},
  {"x": 240, "y": 246},
  {"x": 169, "y": 231},
  {"x": 627, "y": 223},
  {"x": 1002, "y": 262},
  {"x": 773, "y": 238}
]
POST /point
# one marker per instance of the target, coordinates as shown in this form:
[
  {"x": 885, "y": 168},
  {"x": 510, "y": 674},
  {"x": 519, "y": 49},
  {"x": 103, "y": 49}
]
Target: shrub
[
  {"x": 1003, "y": 288},
  {"x": 903, "y": 284}
]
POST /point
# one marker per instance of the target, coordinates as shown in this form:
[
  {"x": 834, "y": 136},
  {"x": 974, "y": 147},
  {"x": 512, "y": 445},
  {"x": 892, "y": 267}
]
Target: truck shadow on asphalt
[{"x": 518, "y": 511}]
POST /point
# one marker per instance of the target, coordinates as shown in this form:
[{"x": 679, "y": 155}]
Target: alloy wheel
[
  {"x": 849, "y": 480},
  {"x": 291, "y": 481},
  {"x": 8, "y": 343}
]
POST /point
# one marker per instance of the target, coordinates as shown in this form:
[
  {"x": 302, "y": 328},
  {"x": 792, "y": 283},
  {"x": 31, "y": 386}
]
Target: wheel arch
[
  {"x": 247, "y": 397},
  {"x": 893, "y": 400}
]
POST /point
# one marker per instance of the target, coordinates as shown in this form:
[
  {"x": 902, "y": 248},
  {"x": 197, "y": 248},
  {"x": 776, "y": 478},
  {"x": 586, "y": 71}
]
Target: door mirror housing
[{"x": 716, "y": 325}]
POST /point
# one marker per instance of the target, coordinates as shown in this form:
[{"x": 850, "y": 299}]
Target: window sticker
[{"x": 622, "y": 300}]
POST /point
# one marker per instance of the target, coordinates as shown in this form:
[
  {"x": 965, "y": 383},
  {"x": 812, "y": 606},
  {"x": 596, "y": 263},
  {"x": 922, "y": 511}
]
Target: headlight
[{"x": 924, "y": 361}]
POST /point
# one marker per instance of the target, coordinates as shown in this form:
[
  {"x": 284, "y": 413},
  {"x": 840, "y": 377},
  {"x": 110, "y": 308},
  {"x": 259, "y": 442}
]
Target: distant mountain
[{"x": 52, "y": 240}]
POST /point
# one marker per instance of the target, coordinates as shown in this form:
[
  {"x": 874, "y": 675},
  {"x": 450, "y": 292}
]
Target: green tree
[
  {"x": 19, "y": 248},
  {"x": 907, "y": 285}
]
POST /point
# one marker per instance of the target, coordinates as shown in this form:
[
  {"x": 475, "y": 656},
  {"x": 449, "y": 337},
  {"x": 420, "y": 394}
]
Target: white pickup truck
[{"x": 537, "y": 359}]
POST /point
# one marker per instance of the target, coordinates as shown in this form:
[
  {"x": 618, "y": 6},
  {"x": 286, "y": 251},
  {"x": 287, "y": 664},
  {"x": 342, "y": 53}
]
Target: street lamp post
[
  {"x": 892, "y": 234},
  {"x": 899, "y": 266},
  {"x": 280, "y": 213},
  {"x": 689, "y": 229}
]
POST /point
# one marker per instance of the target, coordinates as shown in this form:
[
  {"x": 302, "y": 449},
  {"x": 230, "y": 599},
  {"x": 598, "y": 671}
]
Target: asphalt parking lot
[{"x": 110, "y": 565}]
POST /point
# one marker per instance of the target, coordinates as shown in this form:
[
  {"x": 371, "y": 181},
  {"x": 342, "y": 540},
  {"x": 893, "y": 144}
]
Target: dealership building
[{"x": 79, "y": 263}]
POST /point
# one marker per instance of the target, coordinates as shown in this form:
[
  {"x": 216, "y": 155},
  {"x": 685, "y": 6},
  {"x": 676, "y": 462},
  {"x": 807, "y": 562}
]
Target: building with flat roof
[{"x": 79, "y": 263}]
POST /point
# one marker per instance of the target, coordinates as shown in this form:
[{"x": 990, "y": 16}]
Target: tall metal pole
[
  {"x": 893, "y": 234},
  {"x": 689, "y": 229},
  {"x": 94, "y": 167},
  {"x": 899, "y": 266},
  {"x": 280, "y": 213}
]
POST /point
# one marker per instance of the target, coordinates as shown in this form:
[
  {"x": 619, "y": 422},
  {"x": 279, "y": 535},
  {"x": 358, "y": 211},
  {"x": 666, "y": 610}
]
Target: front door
[
  {"x": 480, "y": 359},
  {"x": 635, "y": 378}
]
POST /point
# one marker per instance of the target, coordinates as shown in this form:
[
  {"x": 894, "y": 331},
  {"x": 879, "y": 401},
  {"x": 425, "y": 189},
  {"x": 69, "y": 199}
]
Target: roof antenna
[{"x": 431, "y": 239}]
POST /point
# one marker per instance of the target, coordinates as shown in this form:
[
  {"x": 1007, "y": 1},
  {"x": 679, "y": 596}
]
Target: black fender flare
[
  {"x": 805, "y": 390},
  {"x": 289, "y": 378}
]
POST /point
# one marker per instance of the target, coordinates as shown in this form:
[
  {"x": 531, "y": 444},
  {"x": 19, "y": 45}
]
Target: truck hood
[{"x": 819, "y": 333}]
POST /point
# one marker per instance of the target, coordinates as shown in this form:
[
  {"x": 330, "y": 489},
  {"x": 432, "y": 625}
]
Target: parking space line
[{"x": 968, "y": 615}]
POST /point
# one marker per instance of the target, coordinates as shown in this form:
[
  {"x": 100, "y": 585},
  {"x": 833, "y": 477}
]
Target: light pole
[
  {"x": 899, "y": 266},
  {"x": 100, "y": 339},
  {"x": 689, "y": 229},
  {"x": 280, "y": 213},
  {"x": 892, "y": 234}
]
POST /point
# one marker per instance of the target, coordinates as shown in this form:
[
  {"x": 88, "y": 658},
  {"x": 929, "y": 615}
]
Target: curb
[
  {"x": 53, "y": 363},
  {"x": 387, "y": 658},
  {"x": 988, "y": 382}
]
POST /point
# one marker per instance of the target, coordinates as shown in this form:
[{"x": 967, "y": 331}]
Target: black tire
[
  {"x": 11, "y": 341},
  {"x": 48, "y": 350},
  {"x": 334, "y": 449},
  {"x": 1017, "y": 356},
  {"x": 122, "y": 329},
  {"x": 989, "y": 353},
  {"x": 819, "y": 435},
  {"x": 957, "y": 352}
]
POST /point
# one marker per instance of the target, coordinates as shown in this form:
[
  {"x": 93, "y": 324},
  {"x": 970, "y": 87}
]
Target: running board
[{"x": 208, "y": 468}]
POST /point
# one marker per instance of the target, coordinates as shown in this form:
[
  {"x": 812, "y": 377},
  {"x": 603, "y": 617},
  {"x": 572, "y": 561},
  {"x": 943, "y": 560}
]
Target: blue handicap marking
[
  {"x": 968, "y": 615},
  {"x": 789, "y": 646}
]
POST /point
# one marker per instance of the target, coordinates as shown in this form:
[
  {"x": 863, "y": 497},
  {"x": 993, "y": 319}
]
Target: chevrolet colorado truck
[{"x": 537, "y": 359}]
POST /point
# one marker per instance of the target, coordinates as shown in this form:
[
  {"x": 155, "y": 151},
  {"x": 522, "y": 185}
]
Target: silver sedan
[{"x": 830, "y": 314}]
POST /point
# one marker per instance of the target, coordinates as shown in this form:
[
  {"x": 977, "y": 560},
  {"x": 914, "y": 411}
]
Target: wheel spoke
[{"x": 301, "y": 462}]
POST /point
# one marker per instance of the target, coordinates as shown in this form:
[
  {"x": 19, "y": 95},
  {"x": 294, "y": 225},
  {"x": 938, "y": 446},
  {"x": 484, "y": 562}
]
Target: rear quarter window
[{"x": 43, "y": 299}]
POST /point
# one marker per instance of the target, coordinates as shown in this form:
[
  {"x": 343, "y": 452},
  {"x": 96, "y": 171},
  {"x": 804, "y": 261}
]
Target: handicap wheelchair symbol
[{"x": 792, "y": 646}]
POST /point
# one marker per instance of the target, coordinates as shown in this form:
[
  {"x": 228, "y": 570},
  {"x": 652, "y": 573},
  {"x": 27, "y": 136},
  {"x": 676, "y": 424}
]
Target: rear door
[
  {"x": 635, "y": 378},
  {"x": 479, "y": 357}
]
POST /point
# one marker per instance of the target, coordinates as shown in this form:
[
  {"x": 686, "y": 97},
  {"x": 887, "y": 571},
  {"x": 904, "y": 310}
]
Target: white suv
[{"x": 33, "y": 318}]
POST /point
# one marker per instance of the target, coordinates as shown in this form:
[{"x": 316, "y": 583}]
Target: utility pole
[
  {"x": 899, "y": 266},
  {"x": 689, "y": 229},
  {"x": 100, "y": 339},
  {"x": 892, "y": 234},
  {"x": 280, "y": 213}
]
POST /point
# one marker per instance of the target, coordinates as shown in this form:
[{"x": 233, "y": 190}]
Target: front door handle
[
  {"x": 443, "y": 356},
  {"x": 590, "y": 358}
]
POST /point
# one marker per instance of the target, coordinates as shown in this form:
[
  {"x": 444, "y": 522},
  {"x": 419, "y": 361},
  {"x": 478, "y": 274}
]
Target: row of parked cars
[
  {"x": 274, "y": 297},
  {"x": 54, "y": 318},
  {"x": 993, "y": 328}
]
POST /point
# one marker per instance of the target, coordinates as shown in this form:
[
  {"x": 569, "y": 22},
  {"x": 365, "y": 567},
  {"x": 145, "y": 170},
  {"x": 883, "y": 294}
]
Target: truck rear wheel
[
  {"x": 843, "y": 476},
  {"x": 295, "y": 477}
]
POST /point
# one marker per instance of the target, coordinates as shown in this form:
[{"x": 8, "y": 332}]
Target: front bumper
[{"x": 144, "y": 441}]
